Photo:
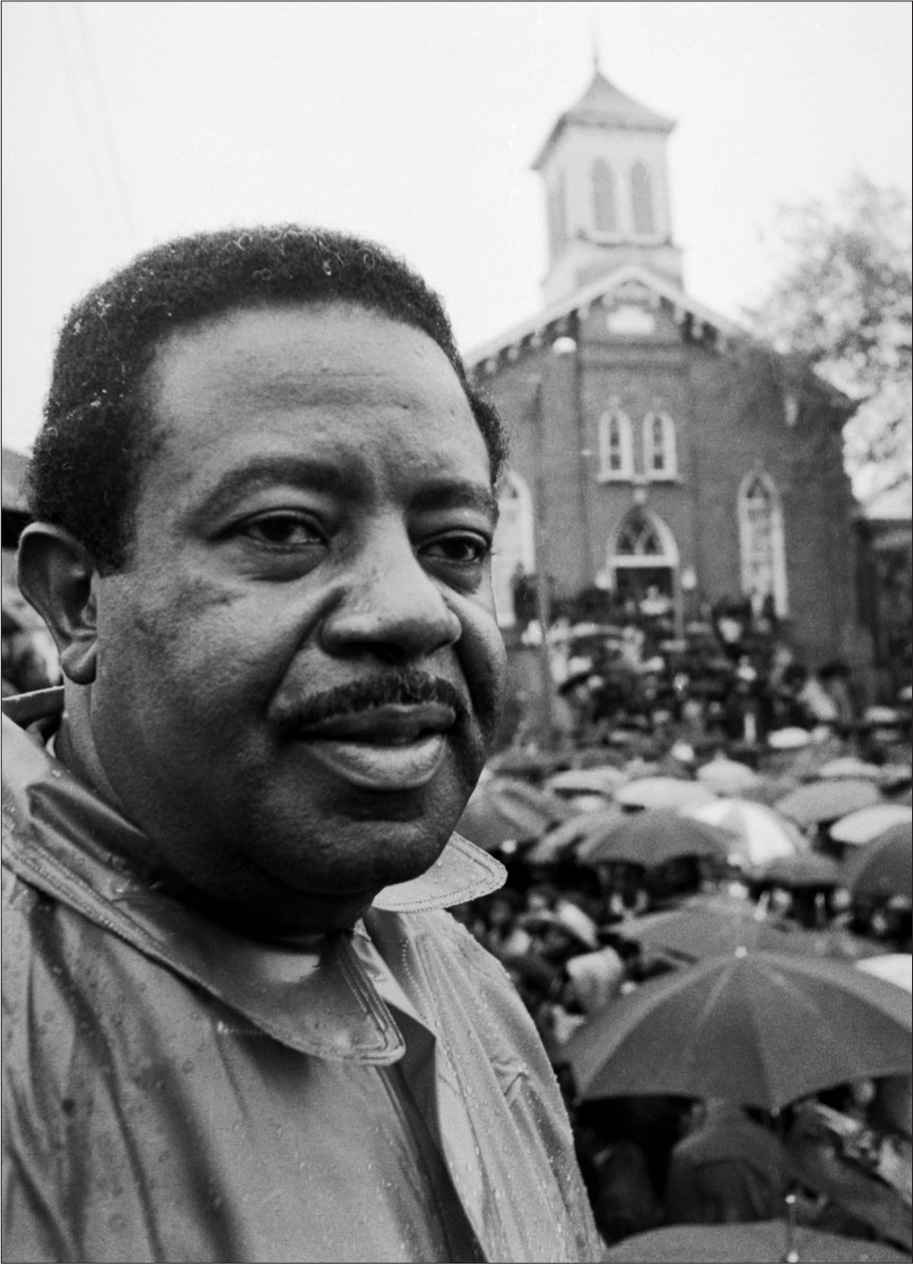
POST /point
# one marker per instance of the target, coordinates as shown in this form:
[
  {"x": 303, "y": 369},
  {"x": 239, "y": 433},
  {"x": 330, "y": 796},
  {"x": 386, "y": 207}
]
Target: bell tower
[{"x": 604, "y": 167}]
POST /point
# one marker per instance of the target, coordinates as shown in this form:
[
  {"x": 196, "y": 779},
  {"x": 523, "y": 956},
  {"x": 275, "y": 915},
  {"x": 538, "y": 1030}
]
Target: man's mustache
[{"x": 394, "y": 688}]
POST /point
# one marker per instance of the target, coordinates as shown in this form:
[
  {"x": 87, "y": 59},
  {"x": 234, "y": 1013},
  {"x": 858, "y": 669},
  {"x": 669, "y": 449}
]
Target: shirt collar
[{"x": 61, "y": 836}]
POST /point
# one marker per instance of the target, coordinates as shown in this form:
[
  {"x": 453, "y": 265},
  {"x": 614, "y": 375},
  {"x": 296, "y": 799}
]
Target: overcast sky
[{"x": 415, "y": 123}]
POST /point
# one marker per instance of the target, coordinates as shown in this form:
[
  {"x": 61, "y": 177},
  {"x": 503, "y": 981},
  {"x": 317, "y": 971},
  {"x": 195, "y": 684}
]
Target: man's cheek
[{"x": 484, "y": 661}]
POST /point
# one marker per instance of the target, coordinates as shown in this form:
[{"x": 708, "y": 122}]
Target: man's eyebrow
[
  {"x": 262, "y": 472},
  {"x": 457, "y": 494}
]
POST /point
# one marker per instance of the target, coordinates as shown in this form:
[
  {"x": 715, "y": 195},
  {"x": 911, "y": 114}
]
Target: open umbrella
[
  {"x": 502, "y": 809},
  {"x": 663, "y": 792},
  {"x": 765, "y": 1240},
  {"x": 770, "y": 789},
  {"x": 720, "y": 927},
  {"x": 790, "y": 738},
  {"x": 822, "y": 801},
  {"x": 648, "y": 838},
  {"x": 726, "y": 776},
  {"x": 759, "y": 833},
  {"x": 712, "y": 930},
  {"x": 566, "y": 837},
  {"x": 760, "y": 1028},
  {"x": 604, "y": 781},
  {"x": 848, "y": 766},
  {"x": 883, "y": 867},
  {"x": 862, "y": 826},
  {"x": 896, "y": 967},
  {"x": 809, "y": 870},
  {"x": 516, "y": 762}
]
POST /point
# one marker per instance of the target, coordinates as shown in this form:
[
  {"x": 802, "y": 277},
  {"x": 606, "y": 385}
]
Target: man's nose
[{"x": 391, "y": 606}]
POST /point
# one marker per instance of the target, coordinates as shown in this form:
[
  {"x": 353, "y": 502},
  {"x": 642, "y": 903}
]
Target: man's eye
[
  {"x": 282, "y": 530},
  {"x": 459, "y": 550}
]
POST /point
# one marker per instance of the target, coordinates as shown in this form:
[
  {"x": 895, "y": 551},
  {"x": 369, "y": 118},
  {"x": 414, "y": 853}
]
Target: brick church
[{"x": 657, "y": 449}]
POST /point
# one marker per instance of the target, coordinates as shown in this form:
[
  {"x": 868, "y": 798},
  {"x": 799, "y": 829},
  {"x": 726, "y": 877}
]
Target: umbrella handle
[{"x": 791, "y": 1255}]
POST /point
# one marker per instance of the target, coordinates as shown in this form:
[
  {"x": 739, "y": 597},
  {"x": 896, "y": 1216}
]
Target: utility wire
[
  {"x": 56, "y": 14},
  {"x": 104, "y": 118},
  {"x": 92, "y": 119}
]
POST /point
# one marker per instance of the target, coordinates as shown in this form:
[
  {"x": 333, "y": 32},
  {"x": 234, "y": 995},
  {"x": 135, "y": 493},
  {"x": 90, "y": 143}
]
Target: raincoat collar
[{"x": 327, "y": 1000}]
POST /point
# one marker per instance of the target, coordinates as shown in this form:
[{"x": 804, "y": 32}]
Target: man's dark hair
[{"x": 98, "y": 429}]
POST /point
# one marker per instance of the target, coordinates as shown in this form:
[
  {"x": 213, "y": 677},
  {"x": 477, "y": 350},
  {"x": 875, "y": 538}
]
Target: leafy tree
[{"x": 842, "y": 306}]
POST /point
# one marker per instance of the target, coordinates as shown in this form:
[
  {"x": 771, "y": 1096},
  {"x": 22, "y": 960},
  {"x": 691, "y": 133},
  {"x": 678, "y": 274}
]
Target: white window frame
[
  {"x": 626, "y": 444},
  {"x": 669, "y": 471},
  {"x": 777, "y": 540}
]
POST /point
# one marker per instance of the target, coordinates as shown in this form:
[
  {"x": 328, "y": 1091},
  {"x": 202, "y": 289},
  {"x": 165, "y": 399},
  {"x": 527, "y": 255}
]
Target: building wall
[{"x": 730, "y": 419}]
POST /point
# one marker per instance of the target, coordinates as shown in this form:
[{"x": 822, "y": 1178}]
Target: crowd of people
[
  {"x": 731, "y": 677},
  {"x": 629, "y": 691},
  {"x": 564, "y": 937}
]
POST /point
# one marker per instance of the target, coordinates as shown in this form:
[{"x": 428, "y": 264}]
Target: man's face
[{"x": 300, "y": 669}]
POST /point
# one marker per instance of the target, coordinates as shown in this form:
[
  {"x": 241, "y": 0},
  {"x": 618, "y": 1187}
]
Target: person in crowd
[
  {"x": 730, "y": 1167},
  {"x": 240, "y": 1024}
]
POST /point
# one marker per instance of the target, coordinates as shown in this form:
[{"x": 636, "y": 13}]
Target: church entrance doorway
[{"x": 644, "y": 560}]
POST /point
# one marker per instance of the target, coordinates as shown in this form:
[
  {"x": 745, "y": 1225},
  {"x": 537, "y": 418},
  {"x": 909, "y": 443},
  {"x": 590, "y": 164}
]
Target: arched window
[
  {"x": 761, "y": 540},
  {"x": 660, "y": 456},
  {"x": 603, "y": 198},
  {"x": 556, "y": 214},
  {"x": 643, "y": 560},
  {"x": 639, "y": 537},
  {"x": 514, "y": 552},
  {"x": 616, "y": 450},
  {"x": 641, "y": 200}
]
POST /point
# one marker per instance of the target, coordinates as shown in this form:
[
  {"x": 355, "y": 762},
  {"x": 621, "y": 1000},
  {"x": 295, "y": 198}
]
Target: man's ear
[{"x": 57, "y": 576}]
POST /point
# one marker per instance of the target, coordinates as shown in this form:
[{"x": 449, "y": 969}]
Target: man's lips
[
  {"x": 389, "y": 749},
  {"x": 396, "y": 724}
]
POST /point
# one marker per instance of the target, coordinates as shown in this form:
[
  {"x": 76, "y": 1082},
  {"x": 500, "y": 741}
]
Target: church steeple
[{"x": 607, "y": 190}]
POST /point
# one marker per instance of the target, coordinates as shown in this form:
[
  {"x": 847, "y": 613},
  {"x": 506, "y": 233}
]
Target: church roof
[
  {"x": 604, "y": 105},
  {"x": 602, "y": 288}
]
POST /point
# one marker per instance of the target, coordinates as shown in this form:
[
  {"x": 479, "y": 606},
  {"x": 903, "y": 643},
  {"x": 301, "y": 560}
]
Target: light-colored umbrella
[
  {"x": 806, "y": 762},
  {"x": 896, "y": 967},
  {"x": 663, "y": 792},
  {"x": 849, "y": 766},
  {"x": 726, "y": 776},
  {"x": 649, "y": 838},
  {"x": 822, "y": 801},
  {"x": 762, "y": 1241},
  {"x": 770, "y": 789},
  {"x": 759, "y": 833},
  {"x": 884, "y": 867},
  {"x": 790, "y": 738},
  {"x": 896, "y": 775},
  {"x": 604, "y": 781},
  {"x": 518, "y": 762},
  {"x": 760, "y": 1028},
  {"x": 862, "y": 826}
]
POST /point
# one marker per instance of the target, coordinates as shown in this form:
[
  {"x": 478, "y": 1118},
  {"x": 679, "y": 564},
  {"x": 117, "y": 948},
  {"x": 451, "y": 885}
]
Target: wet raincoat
[{"x": 177, "y": 1092}]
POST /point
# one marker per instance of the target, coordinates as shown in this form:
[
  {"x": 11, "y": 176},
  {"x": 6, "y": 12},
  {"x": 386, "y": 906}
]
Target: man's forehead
[
  {"x": 324, "y": 362},
  {"x": 307, "y": 377},
  {"x": 299, "y": 346}
]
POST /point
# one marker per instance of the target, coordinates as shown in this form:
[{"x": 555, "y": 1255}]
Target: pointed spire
[{"x": 594, "y": 40}]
